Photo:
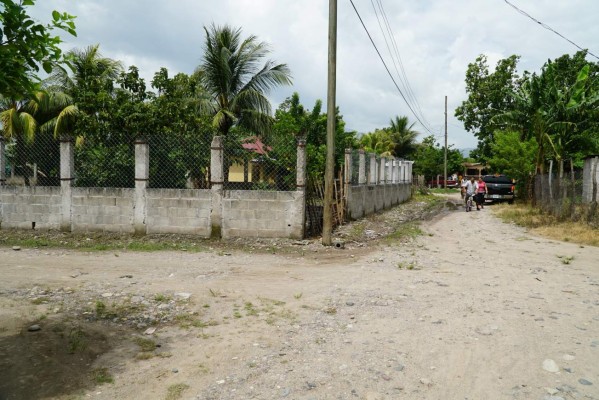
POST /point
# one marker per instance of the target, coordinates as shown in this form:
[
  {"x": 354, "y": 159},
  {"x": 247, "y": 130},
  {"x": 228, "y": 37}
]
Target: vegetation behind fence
[{"x": 562, "y": 197}]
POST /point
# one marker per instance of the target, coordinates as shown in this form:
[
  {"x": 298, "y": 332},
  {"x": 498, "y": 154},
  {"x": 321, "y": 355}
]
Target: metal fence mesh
[
  {"x": 180, "y": 161},
  {"x": 562, "y": 198},
  {"x": 34, "y": 162},
  {"x": 255, "y": 163},
  {"x": 104, "y": 164}
]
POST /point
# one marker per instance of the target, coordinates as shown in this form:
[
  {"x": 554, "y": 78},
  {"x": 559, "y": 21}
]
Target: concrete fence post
[
  {"x": 348, "y": 170},
  {"x": 401, "y": 168},
  {"x": 382, "y": 169},
  {"x": 2, "y": 175},
  {"x": 300, "y": 182},
  {"x": 389, "y": 177},
  {"x": 142, "y": 176},
  {"x": 216, "y": 186},
  {"x": 590, "y": 175},
  {"x": 361, "y": 167},
  {"x": 2, "y": 162},
  {"x": 409, "y": 172},
  {"x": 300, "y": 179},
  {"x": 395, "y": 176},
  {"x": 372, "y": 174},
  {"x": 67, "y": 176}
]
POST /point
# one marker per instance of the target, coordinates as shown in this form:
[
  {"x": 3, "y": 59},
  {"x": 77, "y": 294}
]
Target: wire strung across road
[
  {"x": 548, "y": 27},
  {"x": 389, "y": 72}
]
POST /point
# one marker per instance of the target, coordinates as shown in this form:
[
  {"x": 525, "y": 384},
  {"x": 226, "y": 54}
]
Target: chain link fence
[
  {"x": 562, "y": 198},
  {"x": 256, "y": 163},
  {"x": 32, "y": 162},
  {"x": 180, "y": 161}
]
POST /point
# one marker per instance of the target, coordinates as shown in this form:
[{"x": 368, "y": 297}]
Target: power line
[
  {"x": 405, "y": 81},
  {"x": 548, "y": 27},
  {"x": 385, "y": 65}
]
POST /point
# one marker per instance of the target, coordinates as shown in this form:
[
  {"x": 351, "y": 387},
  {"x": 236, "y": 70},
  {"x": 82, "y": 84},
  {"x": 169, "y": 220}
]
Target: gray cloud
[{"x": 436, "y": 41}]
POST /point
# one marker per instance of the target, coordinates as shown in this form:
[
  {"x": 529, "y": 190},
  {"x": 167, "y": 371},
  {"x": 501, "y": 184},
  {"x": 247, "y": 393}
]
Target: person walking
[{"x": 481, "y": 192}]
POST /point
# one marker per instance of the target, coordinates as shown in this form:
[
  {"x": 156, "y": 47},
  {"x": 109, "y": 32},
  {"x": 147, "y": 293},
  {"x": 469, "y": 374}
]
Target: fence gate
[{"x": 315, "y": 205}]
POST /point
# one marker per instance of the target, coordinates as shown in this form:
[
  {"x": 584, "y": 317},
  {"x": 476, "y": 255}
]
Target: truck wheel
[{"x": 510, "y": 201}]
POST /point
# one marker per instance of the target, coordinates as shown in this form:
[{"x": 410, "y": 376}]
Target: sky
[{"x": 435, "y": 40}]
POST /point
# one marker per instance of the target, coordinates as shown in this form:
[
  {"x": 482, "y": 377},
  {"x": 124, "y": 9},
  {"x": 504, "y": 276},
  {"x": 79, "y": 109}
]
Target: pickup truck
[
  {"x": 441, "y": 182},
  {"x": 499, "y": 188}
]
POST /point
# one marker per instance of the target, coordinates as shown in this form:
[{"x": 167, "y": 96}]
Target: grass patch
[
  {"x": 175, "y": 391},
  {"x": 101, "y": 376},
  {"x": 162, "y": 298},
  {"x": 546, "y": 225},
  {"x": 77, "y": 340},
  {"x": 100, "y": 241},
  {"x": 145, "y": 344},
  {"x": 409, "y": 230},
  {"x": 406, "y": 265},
  {"x": 145, "y": 355},
  {"x": 250, "y": 309}
]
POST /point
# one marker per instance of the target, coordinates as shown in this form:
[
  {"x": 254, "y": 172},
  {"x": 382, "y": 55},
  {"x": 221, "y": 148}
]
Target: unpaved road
[{"x": 473, "y": 309}]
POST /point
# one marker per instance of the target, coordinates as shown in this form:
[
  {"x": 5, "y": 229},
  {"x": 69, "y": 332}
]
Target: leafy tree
[
  {"x": 554, "y": 112},
  {"x": 292, "y": 118},
  {"x": 514, "y": 157},
  {"x": 180, "y": 136},
  {"x": 489, "y": 94},
  {"x": 236, "y": 85},
  {"x": 25, "y": 44},
  {"x": 429, "y": 158}
]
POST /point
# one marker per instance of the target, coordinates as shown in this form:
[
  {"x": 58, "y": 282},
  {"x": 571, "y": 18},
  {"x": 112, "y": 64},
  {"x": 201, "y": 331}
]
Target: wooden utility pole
[
  {"x": 329, "y": 173},
  {"x": 445, "y": 157}
]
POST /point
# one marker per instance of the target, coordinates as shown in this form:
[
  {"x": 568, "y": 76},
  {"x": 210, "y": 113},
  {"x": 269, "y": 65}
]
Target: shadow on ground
[{"x": 56, "y": 361}]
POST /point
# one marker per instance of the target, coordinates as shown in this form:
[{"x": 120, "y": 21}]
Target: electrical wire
[
  {"x": 387, "y": 68},
  {"x": 548, "y": 27},
  {"x": 405, "y": 81}
]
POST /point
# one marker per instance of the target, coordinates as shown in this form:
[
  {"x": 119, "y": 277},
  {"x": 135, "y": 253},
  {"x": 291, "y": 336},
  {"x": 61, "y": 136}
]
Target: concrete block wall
[
  {"x": 364, "y": 200},
  {"x": 263, "y": 214},
  {"x": 20, "y": 206},
  {"x": 183, "y": 211},
  {"x": 102, "y": 209}
]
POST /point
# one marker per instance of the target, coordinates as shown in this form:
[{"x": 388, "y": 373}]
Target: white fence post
[
  {"x": 142, "y": 176},
  {"x": 67, "y": 175},
  {"x": 216, "y": 186}
]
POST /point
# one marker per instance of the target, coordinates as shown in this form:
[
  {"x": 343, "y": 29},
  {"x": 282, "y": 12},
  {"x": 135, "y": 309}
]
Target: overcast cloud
[{"x": 436, "y": 41}]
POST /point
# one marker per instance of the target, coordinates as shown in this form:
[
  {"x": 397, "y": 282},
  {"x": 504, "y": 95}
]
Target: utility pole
[
  {"x": 445, "y": 157},
  {"x": 327, "y": 212}
]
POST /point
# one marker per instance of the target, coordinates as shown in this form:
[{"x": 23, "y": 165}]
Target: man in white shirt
[{"x": 471, "y": 188}]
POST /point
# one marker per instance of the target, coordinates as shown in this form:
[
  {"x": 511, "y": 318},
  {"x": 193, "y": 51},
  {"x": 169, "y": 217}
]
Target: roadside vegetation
[{"x": 546, "y": 225}]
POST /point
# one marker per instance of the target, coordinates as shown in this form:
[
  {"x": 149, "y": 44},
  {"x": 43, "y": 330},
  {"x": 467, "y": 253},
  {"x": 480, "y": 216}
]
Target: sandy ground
[{"x": 473, "y": 309}]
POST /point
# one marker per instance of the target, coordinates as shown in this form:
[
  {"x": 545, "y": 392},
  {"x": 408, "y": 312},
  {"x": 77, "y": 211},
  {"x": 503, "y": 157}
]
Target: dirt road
[{"x": 473, "y": 309}]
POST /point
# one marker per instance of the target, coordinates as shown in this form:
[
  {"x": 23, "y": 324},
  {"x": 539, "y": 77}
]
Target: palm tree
[
  {"x": 91, "y": 72},
  {"x": 377, "y": 142},
  {"x": 236, "y": 85},
  {"x": 18, "y": 126},
  {"x": 404, "y": 137}
]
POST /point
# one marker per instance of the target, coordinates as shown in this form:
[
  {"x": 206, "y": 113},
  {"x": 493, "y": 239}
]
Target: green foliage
[
  {"x": 514, "y": 157},
  {"x": 236, "y": 85},
  {"x": 429, "y": 158},
  {"x": 489, "y": 94},
  {"x": 25, "y": 44},
  {"x": 293, "y": 120}
]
